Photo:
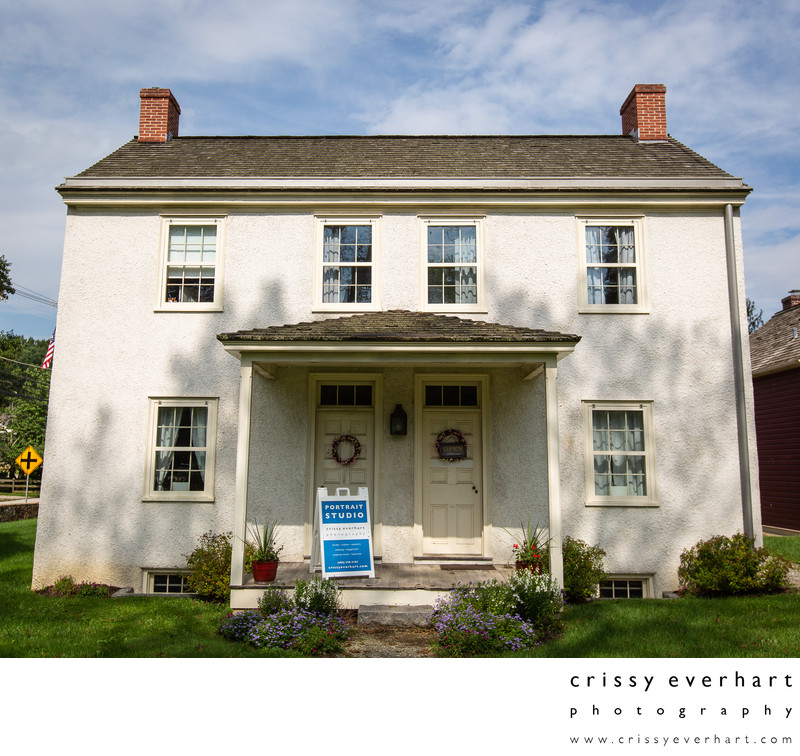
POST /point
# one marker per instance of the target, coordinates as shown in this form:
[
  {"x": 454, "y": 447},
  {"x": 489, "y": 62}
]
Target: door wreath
[{"x": 335, "y": 450}]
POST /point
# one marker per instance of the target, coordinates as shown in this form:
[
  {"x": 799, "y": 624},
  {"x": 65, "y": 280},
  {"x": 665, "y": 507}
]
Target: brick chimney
[
  {"x": 644, "y": 114},
  {"x": 792, "y": 300},
  {"x": 158, "y": 115}
]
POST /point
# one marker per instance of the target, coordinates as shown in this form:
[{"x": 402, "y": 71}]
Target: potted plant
[
  {"x": 265, "y": 552},
  {"x": 528, "y": 551}
]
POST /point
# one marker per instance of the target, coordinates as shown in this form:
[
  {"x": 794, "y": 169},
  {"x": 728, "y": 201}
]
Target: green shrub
[
  {"x": 725, "y": 566},
  {"x": 537, "y": 599},
  {"x": 272, "y": 601},
  {"x": 210, "y": 565},
  {"x": 490, "y": 596},
  {"x": 583, "y": 568},
  {"x": 319, "y": 595},
  {"x": 66, "y": 586}
]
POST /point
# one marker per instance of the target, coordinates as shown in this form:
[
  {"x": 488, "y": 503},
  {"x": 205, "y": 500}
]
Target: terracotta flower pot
[
  {"x": 264, "y": 572},
  {"x": 532, "y": 566}
]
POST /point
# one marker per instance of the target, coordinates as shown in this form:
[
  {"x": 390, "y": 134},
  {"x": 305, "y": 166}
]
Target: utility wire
[
  {"x": 26, "y": 364},
  {"x": 22, "y": 291}
]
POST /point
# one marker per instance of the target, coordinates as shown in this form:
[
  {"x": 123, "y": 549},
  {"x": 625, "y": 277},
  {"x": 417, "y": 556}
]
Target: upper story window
[
  {"x": 347, "y": 264},
  {"x": 453, "y": 265},
  {"x": 612, "y": 266},
  {"x": 191, "y": 266}
]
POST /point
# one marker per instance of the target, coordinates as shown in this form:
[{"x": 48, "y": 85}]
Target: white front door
[{"x": 452, "y": 491}]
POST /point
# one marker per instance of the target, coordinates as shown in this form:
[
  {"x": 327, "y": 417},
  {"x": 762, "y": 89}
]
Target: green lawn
[
  {"x": 34, "y": 625},
  {"x": 786, "y": 546},
  {"x": 752, "y": 626}
]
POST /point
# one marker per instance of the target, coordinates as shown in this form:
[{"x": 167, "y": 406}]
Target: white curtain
[{"x": 166, "y": 433}]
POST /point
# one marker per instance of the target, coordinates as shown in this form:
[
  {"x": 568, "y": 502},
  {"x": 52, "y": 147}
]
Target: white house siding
[{"x": 114, "y": 352}]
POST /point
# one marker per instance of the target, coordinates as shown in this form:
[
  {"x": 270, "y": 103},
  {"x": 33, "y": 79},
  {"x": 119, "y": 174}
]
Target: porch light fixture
[{"x": 398, "y": 421}]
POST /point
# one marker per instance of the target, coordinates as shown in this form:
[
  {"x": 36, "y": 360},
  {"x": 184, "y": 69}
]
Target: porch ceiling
[{"x": 398, "y": 337}]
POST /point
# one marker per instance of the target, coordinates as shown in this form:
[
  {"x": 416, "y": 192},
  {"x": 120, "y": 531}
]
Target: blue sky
[{"x": 71, "y": 74}]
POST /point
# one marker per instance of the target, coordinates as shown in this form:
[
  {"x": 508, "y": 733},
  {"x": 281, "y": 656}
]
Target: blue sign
[{"x": 345, "y": 534}]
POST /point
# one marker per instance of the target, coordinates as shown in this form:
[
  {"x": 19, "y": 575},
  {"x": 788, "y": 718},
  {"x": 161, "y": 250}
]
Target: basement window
[
  {"x": 625, "y": 587},
  {"x": 167, "y": 582}
]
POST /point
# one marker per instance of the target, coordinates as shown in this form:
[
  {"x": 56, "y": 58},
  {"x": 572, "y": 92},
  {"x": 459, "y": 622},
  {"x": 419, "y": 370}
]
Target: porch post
[
  {"x": 242, "y": 469},
  {"x": 553, "y": 473}
]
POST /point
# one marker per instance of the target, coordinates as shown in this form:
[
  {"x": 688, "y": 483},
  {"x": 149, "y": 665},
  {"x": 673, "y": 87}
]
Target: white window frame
[
  {"x": 149, "y": 582},
  {"x": 150, "y": 491},
  {"x": 319, "y": 262},
  {"x": 425, "y": 223},
  {"x": 637, "y": 224},
  {"x": 167, "y": 223},
  {"x": 646, "y": 580},
  {"x": 620, "y": 500}
]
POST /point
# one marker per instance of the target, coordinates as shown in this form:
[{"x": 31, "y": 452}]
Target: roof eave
[
  {"x": 433, "y": 183},
  {"x": 781, "y": 367},
  {"x": 397, "y": 352}
]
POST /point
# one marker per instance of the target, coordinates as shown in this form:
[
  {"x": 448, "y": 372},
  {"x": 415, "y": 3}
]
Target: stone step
[{"x": 394, "y": 616}]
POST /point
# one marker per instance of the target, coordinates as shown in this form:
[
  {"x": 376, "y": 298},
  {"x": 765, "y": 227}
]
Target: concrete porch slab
[{"x": 370, "y": 615}]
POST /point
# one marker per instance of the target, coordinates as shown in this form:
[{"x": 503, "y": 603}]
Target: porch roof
[
  {"x": 399, "y": 336},
  {"x": 399, "y": 326}
]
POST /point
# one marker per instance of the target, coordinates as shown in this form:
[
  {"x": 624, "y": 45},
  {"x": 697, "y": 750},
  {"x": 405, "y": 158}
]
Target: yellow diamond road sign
[{"x": 29, "y": 460}]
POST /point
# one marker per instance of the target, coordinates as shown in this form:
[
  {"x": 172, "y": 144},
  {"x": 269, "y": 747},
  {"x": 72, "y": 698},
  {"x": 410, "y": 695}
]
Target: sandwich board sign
[{"x": 343, "y": 535}]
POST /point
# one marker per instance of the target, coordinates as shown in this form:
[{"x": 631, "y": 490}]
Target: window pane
[
  {"x": 327, "y": 395},
  {"x": 435, "y": 296},
  {"x": 469, "y": 396},
  {"x": 435, "y": 235},
  {"x": 433, "y": 396},
  {"x": 450, "y": 396}
]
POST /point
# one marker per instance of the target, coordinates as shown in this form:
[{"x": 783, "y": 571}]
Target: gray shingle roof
[
  {"x": 405, "y": 157},
  {"x": 774, "y": 344},
  {"x": 398, "y": 326}
]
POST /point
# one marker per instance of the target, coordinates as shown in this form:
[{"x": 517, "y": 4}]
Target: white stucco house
[{"x": 230, "y": 307}]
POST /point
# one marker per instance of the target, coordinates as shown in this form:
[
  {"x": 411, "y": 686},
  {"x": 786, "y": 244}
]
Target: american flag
[{"x": 48, "y": 358}]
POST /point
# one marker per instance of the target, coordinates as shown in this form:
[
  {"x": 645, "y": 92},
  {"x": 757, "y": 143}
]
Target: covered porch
[{"x": 378, "y": 360}]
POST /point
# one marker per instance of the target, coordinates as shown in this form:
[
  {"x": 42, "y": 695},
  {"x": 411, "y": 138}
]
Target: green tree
[
  {"x": 24, "y": 390},
  {"x": 5, "y": 279},
  {"x": 754, "y": 319}
]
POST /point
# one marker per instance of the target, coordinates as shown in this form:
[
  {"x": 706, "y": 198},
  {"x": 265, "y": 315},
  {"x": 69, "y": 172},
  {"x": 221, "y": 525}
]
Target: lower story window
[
  {"x": 619, "y": 453},
  {"x": 181, "y": 457}
]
